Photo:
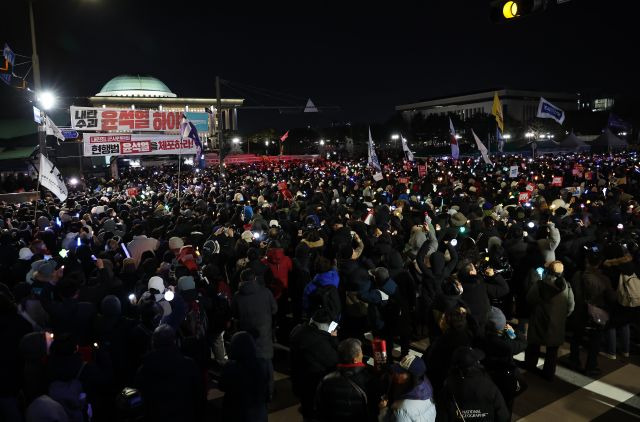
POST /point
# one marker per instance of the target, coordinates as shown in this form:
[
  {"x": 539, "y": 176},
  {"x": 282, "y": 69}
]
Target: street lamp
[
  {"x": 46, "y": 99},
  {"x": 529, "y": 135},
  {"x": 506, "y": 136},
  {"x": 395, "y": 137},
  {"x": 321, "y": 142},
  {"x": 236, "y": 140}
]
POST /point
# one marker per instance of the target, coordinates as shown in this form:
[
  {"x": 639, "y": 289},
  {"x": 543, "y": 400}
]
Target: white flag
[
  {"x": 51, "y": 178},
  {"x": 546, "y": 110},
  {"x": 52, "y": 129},
  {"x": 406, "y": 149},
  {"x": 373, "y": 157},
  {"x": 481, "y": 148}
]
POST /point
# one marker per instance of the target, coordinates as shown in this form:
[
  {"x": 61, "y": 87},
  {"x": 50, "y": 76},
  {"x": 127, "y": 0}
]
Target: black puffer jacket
[
  {"x": 475, "y": 395},
  {"x": 477, "y": 292},
  {"x": 338, "y": 400}
]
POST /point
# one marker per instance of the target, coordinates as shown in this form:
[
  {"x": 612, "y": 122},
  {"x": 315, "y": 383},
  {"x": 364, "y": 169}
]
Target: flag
[
  {"x": 373, "y": 157},
  {"x": 310, "y": 107},
  {"x": 481, "y": 148},
  {"x": 188, "y": 131},
  {"x": 546, "y": 110},
  {"x": 284, "y": 137},
  {"x": 500, "y": 140},
  {"x": 455, "y": 151},
  {"x": 496, "y": 110},
  {"x": 52, "y": 129},
  {"x": 50, "y": 177},
  {"x": 406, "y": 149}
]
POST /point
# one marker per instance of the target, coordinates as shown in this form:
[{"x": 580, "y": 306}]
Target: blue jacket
[
  {"x": 376, "y": 297},
  {"x": 330, "y": 278}
]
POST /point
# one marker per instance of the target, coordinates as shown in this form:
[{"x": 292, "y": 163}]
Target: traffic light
[{"x": 501, "y": 11}]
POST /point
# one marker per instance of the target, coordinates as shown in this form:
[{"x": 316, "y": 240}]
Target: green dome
[{"x": 135, "y": 86}]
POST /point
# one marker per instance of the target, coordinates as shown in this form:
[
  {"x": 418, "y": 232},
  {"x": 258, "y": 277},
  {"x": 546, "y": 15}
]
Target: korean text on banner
[
  {"x": 557, "y": 181},
  {"x": 102, "y": 144},
  {"x": 96, "y": 118},
  {"x": 524, "y": 197},
  {"x": 199, "y": 120},
  {"x": 50, "y": 177}
]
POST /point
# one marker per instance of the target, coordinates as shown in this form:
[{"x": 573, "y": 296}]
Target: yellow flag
[{"x": 496, "y": 110}]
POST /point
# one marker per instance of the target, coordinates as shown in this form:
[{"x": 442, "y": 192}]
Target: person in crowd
[
  {"x": 410, "y": 395},
  {"x": 551, "y": 299},
  {"x": 253, "y": 308},
  {"x": 478, "y": 289},
  {"x": 170, "y": 384},
  {"x": 313, "y": 355},
  {"x": 469, "y": 393},
  {"x": 349, "y": 393},
  {"x": 593, "y": 295},
  {"x": 500, "y": 344},
  {"x": 245, "y": 381}
]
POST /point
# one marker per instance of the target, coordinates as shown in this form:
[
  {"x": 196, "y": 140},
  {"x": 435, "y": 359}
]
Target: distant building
[
  {"x": 147, "y": 92},
  {"x": 517, "y": 104}
]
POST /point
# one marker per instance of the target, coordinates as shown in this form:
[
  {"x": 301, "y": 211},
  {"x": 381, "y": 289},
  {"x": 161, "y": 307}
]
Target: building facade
[
  {"x": 518, "y": 105},
  {"x": 147, "y": 92}
]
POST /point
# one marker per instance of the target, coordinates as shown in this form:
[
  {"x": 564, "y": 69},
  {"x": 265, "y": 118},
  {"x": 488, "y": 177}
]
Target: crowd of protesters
[{"x": 118, "y": 303}]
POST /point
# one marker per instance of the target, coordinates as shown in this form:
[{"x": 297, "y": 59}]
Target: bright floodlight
[
  {"x": 529, "y": 135},
  {"x": 73, "y": 181},
  {"x": 236, "y": 140},
  {"x": 321, "y": 141},
  {"x": 266, "y": 143},
  {"x": 395, "y": 137},
  {"x": 506, "y": 136},
  {"x": 47, "y": 100}
]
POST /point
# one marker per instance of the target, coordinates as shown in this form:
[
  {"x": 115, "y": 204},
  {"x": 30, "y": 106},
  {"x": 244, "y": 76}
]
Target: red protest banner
[
  {"x": 403, "y": 180},
  {"x": 422, "y": 171},
  {"x": 557, "y": 181},
  {"x": 132, "y": 191},
  {"x": 524, "y": 197}
]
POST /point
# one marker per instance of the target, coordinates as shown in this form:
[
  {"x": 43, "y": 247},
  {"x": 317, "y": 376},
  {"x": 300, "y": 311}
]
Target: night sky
[{"x": 365, "y": 59}]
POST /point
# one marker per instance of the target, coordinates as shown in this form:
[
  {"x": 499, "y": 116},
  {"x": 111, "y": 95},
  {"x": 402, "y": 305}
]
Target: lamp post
[{"x": 42, "y": 136}]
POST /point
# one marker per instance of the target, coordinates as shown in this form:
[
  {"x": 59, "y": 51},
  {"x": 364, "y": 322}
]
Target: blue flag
[
  {"x": 500, "y": 140},
  {"x": 188, "y": 131},
  {"x": 546, "y": 110}
]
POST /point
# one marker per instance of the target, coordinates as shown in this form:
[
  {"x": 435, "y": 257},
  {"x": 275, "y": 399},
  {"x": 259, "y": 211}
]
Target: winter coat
[
  {"x": 280, "y": 265},
  {"x": 141, "y": 244},
  {"x": 434, "y": 277},
  {"x": 313, "y": 355},
  {"x": 253, "y": 306},
  {"x": 548, "y": 246},
  {"x": 13, "y": 327},
  {"x": 551, "y": 300},
  {"x": 415, "y": 406},
  {"x": 475, "y": 395},
  {"x": 171, "y": 387},
  {"x": 438, "y": 356},
  {"x": 477, "y": 292},
  {"x": 386, "y": 256},
  {"x": 330, "y": 278},
  {"x": 337, "y": 400},
  {"x": 245, "y": 382},
  {"x": 379, "y": 298},
  {"x": 71, "y": 316}
]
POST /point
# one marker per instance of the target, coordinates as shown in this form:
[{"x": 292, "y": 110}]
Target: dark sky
[{"x": 363, "y": 58}]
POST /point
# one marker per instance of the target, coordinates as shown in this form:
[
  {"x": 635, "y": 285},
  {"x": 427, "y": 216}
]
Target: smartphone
[
  {"x": 332, "y": 327},
  {"x": 93, "y": 257}
]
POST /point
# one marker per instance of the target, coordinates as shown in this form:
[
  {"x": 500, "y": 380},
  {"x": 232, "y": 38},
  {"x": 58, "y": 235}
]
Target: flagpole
[{"x": 35, "y": 208}]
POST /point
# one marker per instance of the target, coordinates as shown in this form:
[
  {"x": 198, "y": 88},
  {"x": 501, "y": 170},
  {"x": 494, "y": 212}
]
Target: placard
[{"x": 557, "y": 181}]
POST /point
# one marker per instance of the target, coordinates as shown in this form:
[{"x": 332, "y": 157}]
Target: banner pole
[
  {"x": 179, "y": 163},
  {"x": 35, "y": 208}
]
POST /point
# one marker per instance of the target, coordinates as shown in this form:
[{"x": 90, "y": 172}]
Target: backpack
[
  {"x": 390, "y": 309},
  {"x": 325, "y": 297},
  {"x": 354, "y": 307},
  {"x": 196, "y": 322},
  {"x": 629, "y": 290},
  {"x": 71, "y": 396}
]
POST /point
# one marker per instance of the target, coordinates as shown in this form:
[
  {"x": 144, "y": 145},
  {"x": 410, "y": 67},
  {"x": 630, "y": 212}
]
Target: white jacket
[{"x": 409, "y": 411}]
